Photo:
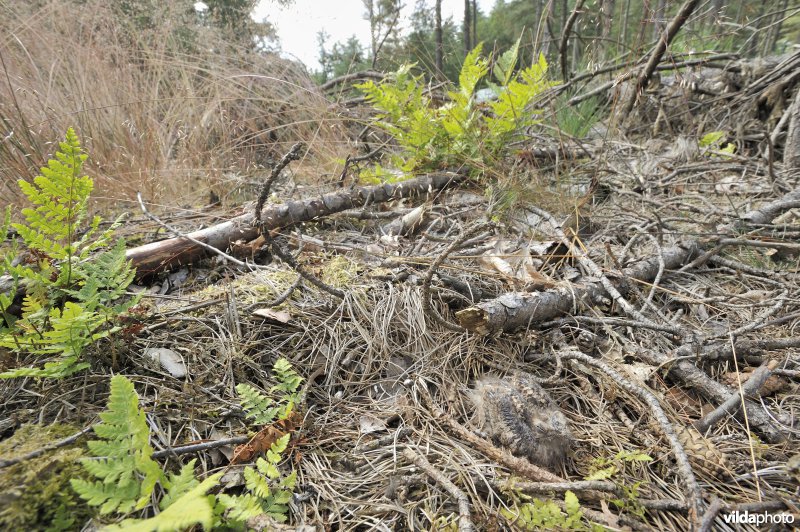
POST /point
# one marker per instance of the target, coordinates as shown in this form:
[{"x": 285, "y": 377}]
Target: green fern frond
[
  {"x": 257, "y": 406},
  {"x": 126, "y": 470},
  {"x": 193, "y": 508},
  {"x": 473, "y": 70},
  {"x": 288, "y": 379},
  {"x": 257, "y": 484},
  {"x": 264, "y": 410},
  {"x": 67, "y": 269},
  {"x": 60, "y": 195},
  {"x": 179, "y": 484},
  {"x": 242, "y": 507},
  {"x": 504, "y": 65}
]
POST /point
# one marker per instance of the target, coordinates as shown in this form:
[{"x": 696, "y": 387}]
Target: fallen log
[
  {"x": 516, "y": 310},
  {"x": 166, "y": 254}
]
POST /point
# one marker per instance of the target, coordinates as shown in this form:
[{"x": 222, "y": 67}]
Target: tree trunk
[
  {"x": 438, "y": 38},
  {"x": 662, "y": 44},
  {"x": 608, "y": 20},
  {"x": 474, "y": 22},
  {"x": 538, "y": 8},
  {"x": 775, "y": 29},
  {"x": 659, "y": 19},
  {"x": 624, "y": 30},
  {"x": 373, "y": 30},
  {"x": 467, "y": 26}
]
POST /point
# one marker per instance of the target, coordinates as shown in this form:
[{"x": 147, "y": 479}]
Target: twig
[
  {"x": 711, "y": 513},
  {"x": 684, "y": 467},
  {"x": 281, "y": 298},
  {"x": 427, "y": 308},
  {"x": 562, "y": 48},
  {"x": 595, "y": 271},
  {"x": 545, "y": 487},
  {"x": 292, "y": 155},
  {"x": 180, "y": 234},
  {"x": 658, "y": 52},
  {"x": 735, "y": 402},
  {"x": 289, "y": 260},
  {"x": 464, "y": 521},
  {"x": 197, "y": 447}
]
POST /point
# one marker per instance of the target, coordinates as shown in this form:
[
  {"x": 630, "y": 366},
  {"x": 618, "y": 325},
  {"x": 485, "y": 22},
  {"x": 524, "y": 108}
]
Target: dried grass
[{"x": 153, "y": 117}]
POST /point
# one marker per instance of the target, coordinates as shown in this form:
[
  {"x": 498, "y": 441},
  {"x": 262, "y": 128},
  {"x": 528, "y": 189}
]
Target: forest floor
[{"x": 651, "y": 287}]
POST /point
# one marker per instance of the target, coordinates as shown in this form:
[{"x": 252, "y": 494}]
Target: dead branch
[
  {"x": 516, "y": 310},
  {"x": 658, "y": 52},
  {"x": 684, "y": 467},
  {"x": 565, "y": 38},
  {"x": 736, "y": 401},
  {"x": 464, "y": 521},
  {"x": 165, "y": 254},
  {"x": 791, "y": 150},
  {"x": 681, "y": 367}
]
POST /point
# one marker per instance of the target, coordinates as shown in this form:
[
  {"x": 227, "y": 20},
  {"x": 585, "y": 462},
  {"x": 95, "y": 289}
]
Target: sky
[{"x": 299, "y": 23}]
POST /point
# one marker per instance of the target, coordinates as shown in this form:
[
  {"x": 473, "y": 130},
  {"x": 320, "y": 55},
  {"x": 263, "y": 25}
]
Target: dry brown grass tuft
[{"x": 152, "y": 116}]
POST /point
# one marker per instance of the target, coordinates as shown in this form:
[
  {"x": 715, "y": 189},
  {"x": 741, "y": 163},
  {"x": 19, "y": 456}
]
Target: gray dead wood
[
  {"x": 516, "y": 310},
  {"x": 791, "y": 151},
  {"x": 658, "y": 52},
  {"x": 682, "y": 368},
  {"x": 165, "y": 254}
]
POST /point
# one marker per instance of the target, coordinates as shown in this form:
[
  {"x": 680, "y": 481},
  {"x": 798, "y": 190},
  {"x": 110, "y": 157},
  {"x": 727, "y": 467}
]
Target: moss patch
[{"x": 35, "y": 494}]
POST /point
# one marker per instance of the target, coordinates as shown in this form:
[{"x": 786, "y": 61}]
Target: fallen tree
[
  {"x": 516, "y": 310},
  {"x": 184, "y": 249}
]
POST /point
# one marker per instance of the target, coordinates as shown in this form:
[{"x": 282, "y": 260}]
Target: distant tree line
[{"x": 604, "y": 30}]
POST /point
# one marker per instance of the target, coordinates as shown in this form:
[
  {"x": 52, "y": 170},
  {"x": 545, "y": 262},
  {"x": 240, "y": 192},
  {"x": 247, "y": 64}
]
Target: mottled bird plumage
[{"x": 518, "y": 414}]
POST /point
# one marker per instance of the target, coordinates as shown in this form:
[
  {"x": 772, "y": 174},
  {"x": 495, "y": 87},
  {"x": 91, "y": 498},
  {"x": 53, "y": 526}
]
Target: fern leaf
[
  {"x": 288, "y": 379},
  {"x": 180, "y": 484},
  {"x": 110, "y": 498},
  {"x": 61, "y": 195},
  {"x": 504, "y": 65},
  {"x": 257, "y": 406},
  {"x": 256, "y": 483},
  {"x": 472, "y": 71},
  {"x": 193, "y": 508},
  {"x": 126, "y": 454},
  {"x": 242, "y": 507}
]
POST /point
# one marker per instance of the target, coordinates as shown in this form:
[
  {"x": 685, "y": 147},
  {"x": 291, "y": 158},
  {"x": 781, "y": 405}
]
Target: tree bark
[
  {"x": 658, "y": 18},
  {"x": 467, "y": 26},
  {"x": 791, "y": 150},
  {"x": 516, "y": 310},
  {"x": 165, "y": 254},
  {"x": 438, "y": 38},
  {"x": 565, "y": 39}
]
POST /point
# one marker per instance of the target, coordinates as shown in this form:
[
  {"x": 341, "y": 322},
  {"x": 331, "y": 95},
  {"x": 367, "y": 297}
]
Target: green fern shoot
[
  {"x": 127, "y": 475},
  {"x": 269, "y": 491},
  {"x": 126, "y": 471},
  {"x": 464, "y": 130},
  {"x": 264, "y": 410},
  {"x": 73, "y": 290}
]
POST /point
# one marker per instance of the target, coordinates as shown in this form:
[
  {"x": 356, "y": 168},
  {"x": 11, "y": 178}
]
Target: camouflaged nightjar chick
[{"x": 518, "y": 414}]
